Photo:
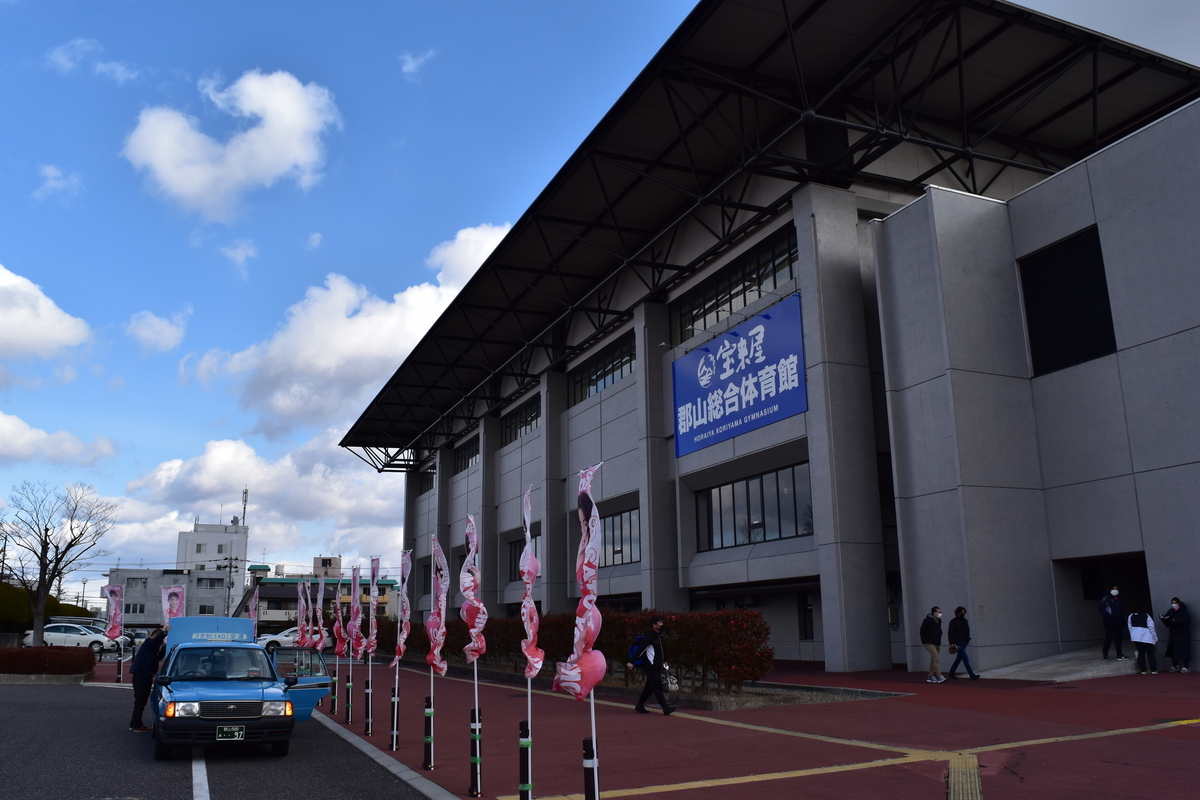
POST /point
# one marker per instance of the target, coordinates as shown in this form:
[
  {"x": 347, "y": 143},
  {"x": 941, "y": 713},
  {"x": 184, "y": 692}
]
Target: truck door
[{"x": 312, "y": 678}]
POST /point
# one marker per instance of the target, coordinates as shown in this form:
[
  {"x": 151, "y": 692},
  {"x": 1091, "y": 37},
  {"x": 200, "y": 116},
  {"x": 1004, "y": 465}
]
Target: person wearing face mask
[
  {"x": 1145, "y": 639},
  {"x": 1112, "y": 612},
  {"x": 1179, "y": 641},
  {"x": 931, "y": 637}
]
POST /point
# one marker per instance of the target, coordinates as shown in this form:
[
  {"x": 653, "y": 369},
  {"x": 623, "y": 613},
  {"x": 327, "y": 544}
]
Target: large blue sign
[{"x": 744, "y": 379}]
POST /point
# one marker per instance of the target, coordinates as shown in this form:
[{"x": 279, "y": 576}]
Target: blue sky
[{"x": 223, "y": 225}]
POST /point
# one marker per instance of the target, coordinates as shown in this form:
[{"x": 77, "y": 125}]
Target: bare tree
[{"x": 52, "y": 534}]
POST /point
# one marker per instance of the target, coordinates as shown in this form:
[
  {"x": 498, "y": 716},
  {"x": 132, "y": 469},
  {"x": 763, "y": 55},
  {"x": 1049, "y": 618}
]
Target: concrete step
[{"x": 1077, "y": 665}]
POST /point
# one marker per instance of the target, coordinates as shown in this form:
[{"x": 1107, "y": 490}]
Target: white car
[
  {"x": 60, "y": 634},
  {"x": 272, "y": 641}
]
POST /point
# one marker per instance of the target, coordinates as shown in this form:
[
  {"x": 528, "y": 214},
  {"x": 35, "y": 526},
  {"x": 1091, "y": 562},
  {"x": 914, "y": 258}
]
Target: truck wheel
[{"x": 280, "y": 749}]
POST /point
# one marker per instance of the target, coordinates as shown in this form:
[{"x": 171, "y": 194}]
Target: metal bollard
[
  {"x": 120, "y": 665},
  {"x": 333, "y": 691},
  {"x": 428, "y": 762},
  {"x": 476, "y": 787},
  {"x": 591, "y": 771},
  {"x": 349, "y": 699},
  {"x": 525, "y": 753},
  {"x": 368, "y": 704},
  {"x": 395, "y": 743}
]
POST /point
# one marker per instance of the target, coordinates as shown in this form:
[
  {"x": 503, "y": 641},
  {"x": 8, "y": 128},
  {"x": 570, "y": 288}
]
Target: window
[
  {"x": 774, "y": 505},
  {"x": 281, "y": 605},
  {"x": 521, "y": 421},
  {"x": 201, "y": 548},
  {"x": 326, "y": 562},
  {"x": 222, "y": 549},
  {"x": 210, "y": 583},
  {"x": 426, "y": 480},
  {"x": 620, "y": 539},
  {"x": 760, "y": 271},
  {"x": 466, "y": 455},
  {"x": 602, "y": 370},
  {"x": 201, "y": 567},
  {"x": 1067, "y": 312},
  {"x": 135, "y": 608},
  {"x": 207, "y": 611},
  {"x": 516, "y": 547},
  {"x": 135, "y": 583},
  {"x": 427, "y": 579},
  {"x": 805, "y": 614}
]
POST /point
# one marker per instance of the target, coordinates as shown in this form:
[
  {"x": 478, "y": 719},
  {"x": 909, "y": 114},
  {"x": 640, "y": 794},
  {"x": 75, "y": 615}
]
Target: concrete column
[
  {"x": 490, "y": 431},
  {"x": 558, "y": 559},
  {"x": 841, "y": 440}
]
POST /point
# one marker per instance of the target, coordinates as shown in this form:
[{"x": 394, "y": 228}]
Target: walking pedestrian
[
  {"x": 1145, "y": 638},
  {"x": 1112, "y": 613},
  {"x": 959, "y": 635},
  {"x": 650, "y": 652},
  {"x": 1179, "y": 632},
  {"x": 931, "y": 637},
  {"x": 142, "y": 671}
]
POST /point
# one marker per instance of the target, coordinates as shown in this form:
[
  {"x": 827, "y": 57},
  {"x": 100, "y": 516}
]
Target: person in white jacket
[{"x": 1144, "y": 637}]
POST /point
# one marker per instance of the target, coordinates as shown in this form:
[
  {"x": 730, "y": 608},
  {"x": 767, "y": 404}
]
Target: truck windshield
[{"x": 221, "y": 664}]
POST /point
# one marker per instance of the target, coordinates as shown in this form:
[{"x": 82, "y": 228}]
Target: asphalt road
[{"x": 73, "y": 741}]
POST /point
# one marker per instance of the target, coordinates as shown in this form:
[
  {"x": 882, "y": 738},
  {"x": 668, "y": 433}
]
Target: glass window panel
[
  {"x": 740, "y": 513},
  {"x": 770, "y": 485},
  {"x": 804, "y": 521},
  {"x": 635, "y": 535},
  {"x": 715, "y": 511},
  {"x": 787, "y": 504},
  {"x": 727, "y": 527}
]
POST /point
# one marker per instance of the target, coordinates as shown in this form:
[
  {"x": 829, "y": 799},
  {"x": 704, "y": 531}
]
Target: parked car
[
  {"x": 60, "y": 634},
  {"x": 123, "y": 639},
  {"x": 287, "y": 638}
]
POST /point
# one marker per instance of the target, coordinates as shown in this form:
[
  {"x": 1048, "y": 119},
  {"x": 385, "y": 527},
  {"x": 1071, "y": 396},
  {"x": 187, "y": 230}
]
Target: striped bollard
[
  {"x": 591, "y": 764},
  {"x": 349, "y": 699},
  {"x": 395, "y": 742},
  {"x": 476, "y": 787},
  {"x": 525, "y": 752},
  {"x": 368, "y": 704},
  {"x": 428, "y": 762}
]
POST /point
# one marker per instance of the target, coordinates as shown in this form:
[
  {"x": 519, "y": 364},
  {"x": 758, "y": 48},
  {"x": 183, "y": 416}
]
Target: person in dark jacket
[
  {"x": 651, "y": 650},
  {"x": 931, "y": 637},
  {"x": 1179, "y": 631},
  {"x": 959, "y": 635},
  {"x": 1112, "y": 613},
  {"x": 142, "y": 671}
]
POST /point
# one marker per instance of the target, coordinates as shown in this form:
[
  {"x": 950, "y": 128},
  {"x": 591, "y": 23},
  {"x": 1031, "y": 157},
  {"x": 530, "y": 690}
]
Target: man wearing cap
[{"x": 650, "y": 649}]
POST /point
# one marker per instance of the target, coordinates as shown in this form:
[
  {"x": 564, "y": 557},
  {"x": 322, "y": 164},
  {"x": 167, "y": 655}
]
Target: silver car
[{"x": 60, "y": 634}]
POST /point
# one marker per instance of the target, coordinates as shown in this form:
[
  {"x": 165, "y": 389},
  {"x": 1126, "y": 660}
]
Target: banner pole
[
  {"x": 595, "y": 747},
  {"x": 368, "y": 695},
  {"x": 350, "y": 687},
  {"x": 428, "y": 764},
  {"x": 396, "y": 711}
]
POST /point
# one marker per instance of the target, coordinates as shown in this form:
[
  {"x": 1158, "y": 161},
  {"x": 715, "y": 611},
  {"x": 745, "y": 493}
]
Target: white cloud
[
  {"x": 156, "y": 334},
  {"x": 19, "y": 441},
  {"x": 410, "y": 65},
  {"x": 66, "y": 57},
  {"x": 338, "y": 344},
  {"x": 118, "y": 71},
  {"x": 209, "y": 177},
  {"x": 66, "y": 374},
  {"x": 54, "y": 182},
  {"x": 314, "y": 241},
  {"x": 31, "y": 325},
  {"x": 239, "y": 251}
]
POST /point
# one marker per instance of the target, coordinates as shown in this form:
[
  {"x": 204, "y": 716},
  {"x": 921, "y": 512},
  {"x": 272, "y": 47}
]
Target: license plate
[{"x": 231, "y": 733}]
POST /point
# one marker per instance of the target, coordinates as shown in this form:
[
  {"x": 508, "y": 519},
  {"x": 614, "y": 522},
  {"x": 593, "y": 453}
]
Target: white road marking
[{"x": 199, "y": 775}]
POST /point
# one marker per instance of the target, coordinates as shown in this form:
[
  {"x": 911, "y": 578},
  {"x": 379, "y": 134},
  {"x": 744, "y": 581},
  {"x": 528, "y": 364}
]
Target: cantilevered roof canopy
[{"x": 985, "y": 89}]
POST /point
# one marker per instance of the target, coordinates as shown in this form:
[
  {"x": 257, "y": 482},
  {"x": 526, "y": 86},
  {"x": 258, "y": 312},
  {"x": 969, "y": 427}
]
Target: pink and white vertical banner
[
  {"x": 403, "y": 626},
  {"x": 534, "y": 655},
  {"x": 354, "y": 629},
  {"x": 580, "y": 673},
  {"x": 474, "y": 612},
  {"x": 435, "y": 624},
  {"x": 174, "y": 603},
  {"x": 301, "y": 638},
  {"x": 320, "y": 611},
  {"x": 254, "y": 614},
  {"x": 373, "y": 639},
  {"x": 339, "y": 631},
  {"x": 113, "y": 592}
]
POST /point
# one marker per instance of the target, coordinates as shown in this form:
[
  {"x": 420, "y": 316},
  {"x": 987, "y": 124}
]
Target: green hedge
[
  {"x": 15, "y": 616},
  {"x": 46, "y": 660},
  {"x": 710, "y": 650}
]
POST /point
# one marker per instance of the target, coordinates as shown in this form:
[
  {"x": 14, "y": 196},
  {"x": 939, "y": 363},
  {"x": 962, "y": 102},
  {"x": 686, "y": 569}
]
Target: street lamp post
[{"x": 84, "y": 601}]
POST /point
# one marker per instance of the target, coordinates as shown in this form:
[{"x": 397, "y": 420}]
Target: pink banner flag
[
  {"x": 403, "y": 627},
  {"x": 373, "y": 639},
  {"x": 339, "y": 632},
  {"x": 534, "y": 655},
  {"x": 113, "y": 592},
  {"x": 254, "y": 614},
  {"x": 435, "y": 624},
  {"x": 474, "y": 612},
  {"x": 174, "y": 603},
  {"x": 354, "y": 629},
  {"x": 301, "y": 637},
  {"x": 320, "y": 611},
  {"x": 579, "y": 674}
]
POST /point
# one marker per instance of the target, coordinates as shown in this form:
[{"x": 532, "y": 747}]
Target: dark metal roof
[{"x": 985, "y": 88}]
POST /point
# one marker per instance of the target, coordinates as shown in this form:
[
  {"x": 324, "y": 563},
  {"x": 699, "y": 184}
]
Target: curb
[
  {"x": 12, "y": 679},
  {"x": 409, "y": 776}
]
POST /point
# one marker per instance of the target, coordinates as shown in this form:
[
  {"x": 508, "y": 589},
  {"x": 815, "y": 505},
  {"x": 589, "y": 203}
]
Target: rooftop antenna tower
[{"x": 245, "y": 500}]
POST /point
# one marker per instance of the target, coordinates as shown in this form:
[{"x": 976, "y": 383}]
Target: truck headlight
[
  {"x": 277, "y": 708},
  {"x": 183, "y": 709}
]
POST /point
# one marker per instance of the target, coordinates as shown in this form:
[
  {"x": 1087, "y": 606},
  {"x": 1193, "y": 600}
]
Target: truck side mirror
[
  {"x": 163, "y": 680},
  {"x": 290, "y": 681}
]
